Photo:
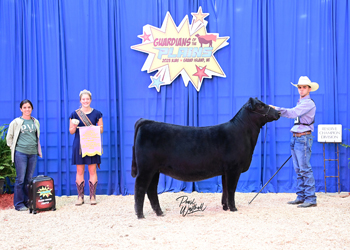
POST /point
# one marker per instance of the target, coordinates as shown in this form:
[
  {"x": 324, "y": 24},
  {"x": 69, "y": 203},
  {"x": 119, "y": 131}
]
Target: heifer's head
[{"x": 263, "y": 112}]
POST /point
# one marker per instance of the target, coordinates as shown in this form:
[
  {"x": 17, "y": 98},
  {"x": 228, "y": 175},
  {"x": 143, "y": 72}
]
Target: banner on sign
[{"x": 90, "y": 141}]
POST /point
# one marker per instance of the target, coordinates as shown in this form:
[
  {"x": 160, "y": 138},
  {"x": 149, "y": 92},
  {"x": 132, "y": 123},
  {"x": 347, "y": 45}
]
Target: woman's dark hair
[{"x": 24, "y": 102}]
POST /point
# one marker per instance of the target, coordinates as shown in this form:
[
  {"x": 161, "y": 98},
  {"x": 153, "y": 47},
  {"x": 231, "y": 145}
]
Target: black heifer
[{"x": 196, "y": 153}]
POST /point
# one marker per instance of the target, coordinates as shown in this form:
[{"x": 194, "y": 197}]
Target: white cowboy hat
[{"x": 304, "y": 80}]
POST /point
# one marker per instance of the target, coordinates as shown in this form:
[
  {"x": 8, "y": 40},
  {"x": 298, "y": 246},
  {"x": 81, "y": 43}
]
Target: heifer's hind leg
[
  {"x": 231, "y": 182},
  {"x": 141, "y": 185},
  {"x": 153, "y": 195},
  {"x": 224, "y": 193}
]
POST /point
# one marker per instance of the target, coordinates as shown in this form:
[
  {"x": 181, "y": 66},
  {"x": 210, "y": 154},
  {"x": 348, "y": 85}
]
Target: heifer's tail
[
  {"x": 138, "y": 124},
  {"x": 133, "y": 163}
]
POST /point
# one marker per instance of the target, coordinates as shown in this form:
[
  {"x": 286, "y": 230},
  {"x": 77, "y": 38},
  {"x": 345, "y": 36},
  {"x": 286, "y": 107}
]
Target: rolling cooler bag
[{"x": 41, "y": 194}]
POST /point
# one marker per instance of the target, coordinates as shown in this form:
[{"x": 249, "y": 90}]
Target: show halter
[{"x": 263, "y": 114}]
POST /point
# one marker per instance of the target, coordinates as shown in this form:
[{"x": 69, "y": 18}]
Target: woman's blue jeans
[
  {"x": 25, "y": 165},
  {"x": 301, "y": 154}
]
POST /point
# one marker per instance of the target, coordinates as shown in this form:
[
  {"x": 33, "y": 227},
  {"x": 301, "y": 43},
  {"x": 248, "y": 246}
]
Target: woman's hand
[
  {"x": 100, "y": 123},
  {"x": 72, "y": 127}
]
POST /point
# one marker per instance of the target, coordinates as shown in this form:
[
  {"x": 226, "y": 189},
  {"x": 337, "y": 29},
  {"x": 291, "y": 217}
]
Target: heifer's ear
[{"x": 251, "y": 103}]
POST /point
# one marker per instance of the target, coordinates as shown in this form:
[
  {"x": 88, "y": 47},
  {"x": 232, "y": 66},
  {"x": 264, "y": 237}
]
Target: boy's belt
[{"x": 300, "y": 134}]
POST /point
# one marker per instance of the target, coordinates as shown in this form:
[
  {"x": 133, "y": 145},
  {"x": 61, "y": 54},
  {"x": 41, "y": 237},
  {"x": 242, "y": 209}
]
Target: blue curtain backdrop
[{"x": 51, "y": 50}]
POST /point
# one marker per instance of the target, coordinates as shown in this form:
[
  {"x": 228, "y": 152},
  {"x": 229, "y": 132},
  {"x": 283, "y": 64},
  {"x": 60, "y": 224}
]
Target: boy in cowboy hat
[{"x": 301, "y": 142}]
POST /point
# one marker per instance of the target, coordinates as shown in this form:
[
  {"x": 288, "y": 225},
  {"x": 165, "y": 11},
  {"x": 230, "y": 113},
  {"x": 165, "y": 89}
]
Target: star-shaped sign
[
  {"x": 200, "y": 73},
  {"x": 186, "y": 50},
  {"x": 200, "y": 15},
  {"x": 145, "y": 37}
]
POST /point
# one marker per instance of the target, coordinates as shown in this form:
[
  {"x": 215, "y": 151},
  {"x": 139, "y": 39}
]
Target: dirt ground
[{"x": 267, "y": 223}]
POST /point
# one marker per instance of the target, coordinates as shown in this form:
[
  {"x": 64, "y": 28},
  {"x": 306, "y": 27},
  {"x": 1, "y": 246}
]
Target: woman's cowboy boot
[
  {"x": 80, "y": 188},
  {"x": 93, "y": 193}
]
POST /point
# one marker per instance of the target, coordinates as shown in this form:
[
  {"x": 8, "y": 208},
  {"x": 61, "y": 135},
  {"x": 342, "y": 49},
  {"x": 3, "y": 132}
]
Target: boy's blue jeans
[
  {"x": 25, "y": 165},
  {"x": 301, "y": 154}
]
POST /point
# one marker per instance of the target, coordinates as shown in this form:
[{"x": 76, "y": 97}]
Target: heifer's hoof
[
  {"x": 233, "y": 209},
  {"x": 159, "y": 213},
  {"x": 140, "y": 216},
  {"x": 225, "y": 207}
]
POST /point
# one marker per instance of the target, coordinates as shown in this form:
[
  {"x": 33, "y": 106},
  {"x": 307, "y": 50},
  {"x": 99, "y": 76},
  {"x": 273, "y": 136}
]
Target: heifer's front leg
[
  {"x": 153, "y": 196},
  {"x": 224, "y": 193},
  {"x": 141, "y": 185},
  {"x": 231, "y": 182}
]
